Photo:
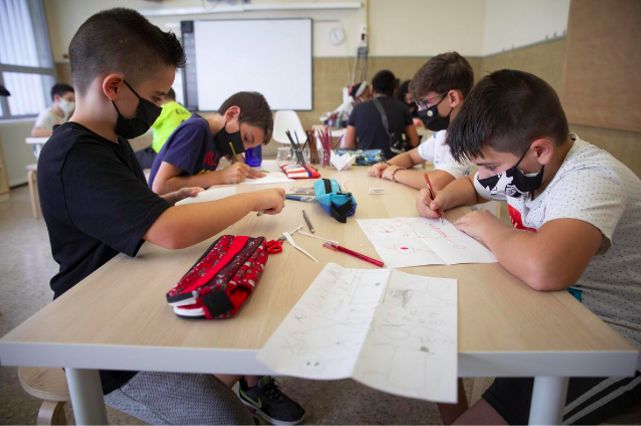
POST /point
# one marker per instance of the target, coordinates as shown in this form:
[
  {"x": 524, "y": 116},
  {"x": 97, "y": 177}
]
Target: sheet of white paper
[
  {"x": 269, "y": 178},
  {"x": 322, "y": 335},
  {"x": 416, "y": 241},
  {"x": 342, "y": 162},
  {"x": 391, "y": 330},
  {"x": 211, "y": 194},
  {"x": 411, "y": 347}
]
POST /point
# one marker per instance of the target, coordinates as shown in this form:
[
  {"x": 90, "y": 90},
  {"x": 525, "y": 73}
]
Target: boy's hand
[
  {"x": 270, "y": 201},
  {"x": 254, "y": 174},
  {"x": 238, "y": 172},
  {"x": 426, "y": 206},
  {"x": 477, "y": 224},
  {"x": 377, "y": 170},
  {"x": 182, "y": 193}
]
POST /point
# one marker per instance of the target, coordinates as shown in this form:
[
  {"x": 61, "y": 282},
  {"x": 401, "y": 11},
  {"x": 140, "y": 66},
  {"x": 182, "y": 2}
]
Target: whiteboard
[{"x": 270, "y": 56}]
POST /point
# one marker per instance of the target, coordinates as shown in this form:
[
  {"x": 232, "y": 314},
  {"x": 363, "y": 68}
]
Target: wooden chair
[
  {"x": 49, "y": 385},
  {"x": 32, "y": 179}
]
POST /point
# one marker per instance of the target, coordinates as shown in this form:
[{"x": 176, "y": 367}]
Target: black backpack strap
[
  {"x": 381, "y": 111},
  {"x": 328, "y": 186}
]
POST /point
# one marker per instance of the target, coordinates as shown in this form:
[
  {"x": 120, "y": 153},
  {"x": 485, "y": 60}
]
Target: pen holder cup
[
  {"x": 324, "y": 156},
  {"x": 284, "y": 155}
]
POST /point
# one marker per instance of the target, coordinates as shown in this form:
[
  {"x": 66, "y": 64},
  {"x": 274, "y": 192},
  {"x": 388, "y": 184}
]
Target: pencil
[
  {"x": 233, "y": 151},
  {"x": 308, "y": 222},
  {"x": 432, "y": 194}
]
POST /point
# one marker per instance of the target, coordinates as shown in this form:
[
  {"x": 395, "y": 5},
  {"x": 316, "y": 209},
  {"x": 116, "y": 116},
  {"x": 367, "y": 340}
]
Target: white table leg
[
  {"x": 548, "y": 400},
  {"x": 86, "y": 396}
]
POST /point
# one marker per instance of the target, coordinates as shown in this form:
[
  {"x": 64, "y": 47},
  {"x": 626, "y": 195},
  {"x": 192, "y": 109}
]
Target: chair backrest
[{"x": 287, "y": 120}]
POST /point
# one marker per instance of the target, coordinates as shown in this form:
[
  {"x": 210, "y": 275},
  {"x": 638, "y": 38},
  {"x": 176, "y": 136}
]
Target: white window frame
[{"x": 43, "y": 47}]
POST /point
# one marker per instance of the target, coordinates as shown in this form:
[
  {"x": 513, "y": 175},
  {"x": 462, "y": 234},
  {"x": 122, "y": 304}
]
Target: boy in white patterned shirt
[{"x": 576, "y": 216}]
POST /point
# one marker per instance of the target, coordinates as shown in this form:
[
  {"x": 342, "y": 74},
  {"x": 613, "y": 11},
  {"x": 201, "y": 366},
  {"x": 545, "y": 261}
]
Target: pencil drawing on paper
[{"x": 390, "y": 330}]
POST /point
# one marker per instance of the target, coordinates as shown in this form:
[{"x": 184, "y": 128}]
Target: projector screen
[{"x": 270, "y": 56}]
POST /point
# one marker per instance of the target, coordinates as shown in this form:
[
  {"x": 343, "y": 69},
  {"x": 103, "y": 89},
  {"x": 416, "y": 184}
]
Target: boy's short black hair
[
  {"x": 384, "y": 82},
  {"x": 254, "y": 111},
  {"x": 507, "y": 111},
  {"x": 120, "y": 40},
  {"x": 444, "y": 72},
  {"x": 60, "y": 89}
]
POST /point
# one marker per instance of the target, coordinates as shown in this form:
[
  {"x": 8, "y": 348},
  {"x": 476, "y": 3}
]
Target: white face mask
[{"x": 67, "y": 106}]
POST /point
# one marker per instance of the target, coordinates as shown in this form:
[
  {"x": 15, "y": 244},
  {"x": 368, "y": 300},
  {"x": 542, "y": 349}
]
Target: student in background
[
  {"x": 356, "y": 94},
  {"x": 439, "y": 88},
  {"x": 96, "y": 203},
  {"x": 192, "y": 153},
  {"x": 576, "y": 226},
  {"x": 63, "y": 103},
  {"x": 365, "y": 129},
  {"x": 404, "y": 95},
  {"x": 170, "y": 117}
]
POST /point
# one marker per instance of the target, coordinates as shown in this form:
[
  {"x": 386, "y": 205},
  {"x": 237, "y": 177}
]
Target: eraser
[{"x": 376, "y": 190}]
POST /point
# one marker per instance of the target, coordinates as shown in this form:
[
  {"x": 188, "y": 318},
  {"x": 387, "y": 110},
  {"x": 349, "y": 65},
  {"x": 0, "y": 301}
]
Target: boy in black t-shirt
[
  {"x": 366, "y": 129},
  {"x": 96, "y": 202}
]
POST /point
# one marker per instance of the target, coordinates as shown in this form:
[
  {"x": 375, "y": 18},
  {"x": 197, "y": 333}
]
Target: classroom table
[
  {"x": 36, "y": 144},
  {"x": 117, "y": 318}
]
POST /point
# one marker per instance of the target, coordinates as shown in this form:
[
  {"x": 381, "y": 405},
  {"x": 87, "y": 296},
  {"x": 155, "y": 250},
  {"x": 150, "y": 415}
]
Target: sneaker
[{"x": 268, "y": 402}]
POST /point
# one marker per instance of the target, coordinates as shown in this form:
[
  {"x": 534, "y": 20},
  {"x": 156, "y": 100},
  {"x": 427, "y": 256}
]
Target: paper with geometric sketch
[{"x": 393, "y": 331}]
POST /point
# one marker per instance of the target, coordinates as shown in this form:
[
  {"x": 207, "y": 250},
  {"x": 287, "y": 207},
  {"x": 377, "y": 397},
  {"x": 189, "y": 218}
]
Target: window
[{"x": 26, "y": 65}]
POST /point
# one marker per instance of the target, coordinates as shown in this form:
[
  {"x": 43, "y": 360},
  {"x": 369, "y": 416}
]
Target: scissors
[{"x": 274, "y": 246}]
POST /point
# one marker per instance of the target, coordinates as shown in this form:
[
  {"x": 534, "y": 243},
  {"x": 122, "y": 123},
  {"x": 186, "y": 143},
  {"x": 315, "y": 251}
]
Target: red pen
[
  {"x": 433, "y": 194},
  {"x": 333, "y": 246}
]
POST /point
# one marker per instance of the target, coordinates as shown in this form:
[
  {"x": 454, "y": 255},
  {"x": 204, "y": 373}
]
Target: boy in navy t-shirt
[{"x": 191, "y": 155}]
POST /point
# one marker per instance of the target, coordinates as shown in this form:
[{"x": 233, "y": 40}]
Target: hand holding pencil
[{"x": 428, "y": 203}]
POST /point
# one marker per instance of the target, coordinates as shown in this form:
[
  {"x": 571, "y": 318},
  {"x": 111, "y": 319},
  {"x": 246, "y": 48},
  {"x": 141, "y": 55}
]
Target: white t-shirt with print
[
  {"x": 48, "y": 118},
  {"x": 596, "y": 188},
  {"x": 436, "y": 151}
]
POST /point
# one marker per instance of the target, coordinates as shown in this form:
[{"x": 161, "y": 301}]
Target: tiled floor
[{"x": 26, "y": 266}]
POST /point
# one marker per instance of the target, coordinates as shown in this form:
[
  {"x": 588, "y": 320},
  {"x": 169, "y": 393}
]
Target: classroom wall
[
  {"x": 511, "y": 24},
  {"x": 425, "y": 28}
]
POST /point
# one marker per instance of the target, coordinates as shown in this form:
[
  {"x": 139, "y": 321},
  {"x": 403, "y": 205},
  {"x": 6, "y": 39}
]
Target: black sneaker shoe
[{"x": 267, "y": 401}]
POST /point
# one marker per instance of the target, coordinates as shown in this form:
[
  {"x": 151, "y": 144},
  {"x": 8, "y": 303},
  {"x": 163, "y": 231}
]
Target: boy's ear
[
  {"x": 543, "y": 148},
  {"x": 455, "y": 98},
  {"x": 232, "y": 112},
  {"x": 111, "y": 85}
]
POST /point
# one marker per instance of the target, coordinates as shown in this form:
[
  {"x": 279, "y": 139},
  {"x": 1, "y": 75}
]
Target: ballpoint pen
[
  {"x": 308, "y": 222},
  {"x": 433, "y": 195},
  {"x": 336, "y": 247}
]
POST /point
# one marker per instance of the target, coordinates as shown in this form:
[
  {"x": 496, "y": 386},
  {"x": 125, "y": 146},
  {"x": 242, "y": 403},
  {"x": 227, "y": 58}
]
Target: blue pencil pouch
[{"x": 340, "y": 205}]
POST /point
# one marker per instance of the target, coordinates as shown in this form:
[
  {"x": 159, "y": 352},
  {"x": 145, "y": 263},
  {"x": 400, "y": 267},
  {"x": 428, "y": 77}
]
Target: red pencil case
[
  {"x": 222, "y": 280},
  {"x": 296, "y": 171}
]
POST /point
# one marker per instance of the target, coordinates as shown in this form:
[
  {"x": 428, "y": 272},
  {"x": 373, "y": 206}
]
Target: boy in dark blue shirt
[{"x": 191, "y": 155}]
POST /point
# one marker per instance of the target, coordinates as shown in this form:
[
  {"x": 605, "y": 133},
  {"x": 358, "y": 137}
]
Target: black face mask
[
  {"x": 146, "y": 113},
  {"x": 431, "y": 118},
  {"x": 229, "y": 143},
  {"x": 513, "y": 182}
]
